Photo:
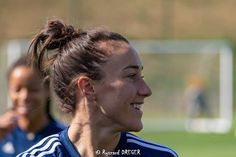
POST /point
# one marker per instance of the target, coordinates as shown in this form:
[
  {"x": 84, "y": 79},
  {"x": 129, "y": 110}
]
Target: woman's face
[
  {"x": 122, "y": 91},
  {"x": 27, "y": 92}
]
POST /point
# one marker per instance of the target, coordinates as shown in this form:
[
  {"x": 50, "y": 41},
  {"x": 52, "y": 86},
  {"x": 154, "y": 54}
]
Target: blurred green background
[{"x": 138, "y": 19}]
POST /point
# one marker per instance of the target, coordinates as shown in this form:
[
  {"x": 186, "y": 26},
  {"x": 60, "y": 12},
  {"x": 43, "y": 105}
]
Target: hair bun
[{"x": 57, "y": 34}]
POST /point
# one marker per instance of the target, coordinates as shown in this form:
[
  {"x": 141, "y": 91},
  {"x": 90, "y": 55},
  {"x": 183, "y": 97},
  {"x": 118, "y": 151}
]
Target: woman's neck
[{"x": 89, "y": 136}]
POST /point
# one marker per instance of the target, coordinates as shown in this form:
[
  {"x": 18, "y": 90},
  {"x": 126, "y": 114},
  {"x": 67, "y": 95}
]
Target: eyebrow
[{"x": 133, "y": 67}]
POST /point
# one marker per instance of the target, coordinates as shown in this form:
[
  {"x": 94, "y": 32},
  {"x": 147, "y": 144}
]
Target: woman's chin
[{"x": 136, "y": 127}]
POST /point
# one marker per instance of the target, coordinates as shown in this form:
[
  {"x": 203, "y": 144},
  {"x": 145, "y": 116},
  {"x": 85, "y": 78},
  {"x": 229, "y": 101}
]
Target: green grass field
[{"x": 196, "y": 144}]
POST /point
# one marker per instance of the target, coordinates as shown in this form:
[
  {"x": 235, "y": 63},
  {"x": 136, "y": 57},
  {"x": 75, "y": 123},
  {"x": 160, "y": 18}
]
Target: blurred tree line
[{"x": 149, "y": 19}]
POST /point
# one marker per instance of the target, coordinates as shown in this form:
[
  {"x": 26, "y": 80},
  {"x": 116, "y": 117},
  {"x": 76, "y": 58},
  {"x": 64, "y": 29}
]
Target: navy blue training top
[
  {"x": 59, "y": 145},
  {"x": 19, "y": 141}
]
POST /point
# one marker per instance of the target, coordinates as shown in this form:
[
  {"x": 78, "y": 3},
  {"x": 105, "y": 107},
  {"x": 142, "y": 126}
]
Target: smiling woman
[
  {"x": 97, "y": 77},
  {"x": 123, "y": 90},
  {"x": 29, "y": 120},
  {"x": 26, "y": 92}
]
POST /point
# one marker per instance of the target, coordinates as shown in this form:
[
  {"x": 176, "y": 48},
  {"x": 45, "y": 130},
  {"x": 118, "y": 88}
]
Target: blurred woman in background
[{"x": 29, "y": 120}]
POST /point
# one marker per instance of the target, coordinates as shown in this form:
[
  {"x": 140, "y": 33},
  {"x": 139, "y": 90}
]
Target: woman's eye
[
  {"x": 132, "y": 76},
  {"x": 17, "y": 90},
  {"x": 34, "y": 89},
  {"x": 135, "y": 77}
]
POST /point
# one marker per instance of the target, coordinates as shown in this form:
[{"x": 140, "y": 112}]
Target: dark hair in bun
[{"x": 62, "y": 53}]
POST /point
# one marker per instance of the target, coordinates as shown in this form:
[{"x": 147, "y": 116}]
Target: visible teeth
[{"x": 137, "y": 106}]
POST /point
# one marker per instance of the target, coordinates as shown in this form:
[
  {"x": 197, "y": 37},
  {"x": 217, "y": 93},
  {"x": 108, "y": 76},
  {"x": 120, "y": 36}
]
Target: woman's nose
[
  {"x": 145, "y": 90},
  {"x": 24, "y": 93}
]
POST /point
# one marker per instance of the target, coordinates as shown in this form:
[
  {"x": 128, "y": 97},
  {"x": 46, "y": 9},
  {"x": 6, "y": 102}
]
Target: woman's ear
[{"x": 85, "y": 86}]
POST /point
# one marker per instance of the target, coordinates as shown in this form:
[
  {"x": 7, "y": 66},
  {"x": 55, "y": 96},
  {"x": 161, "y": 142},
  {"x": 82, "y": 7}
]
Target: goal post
[{"x": 171, "y": 68}]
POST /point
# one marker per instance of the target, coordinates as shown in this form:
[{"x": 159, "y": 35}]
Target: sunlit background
[{"x": 190, "y": 38}]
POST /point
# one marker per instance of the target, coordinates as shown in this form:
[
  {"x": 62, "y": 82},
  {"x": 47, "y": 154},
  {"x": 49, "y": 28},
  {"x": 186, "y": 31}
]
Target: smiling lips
[
  {"x": 24, "y": 109},
  {"x": 137, "y": 106}
]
